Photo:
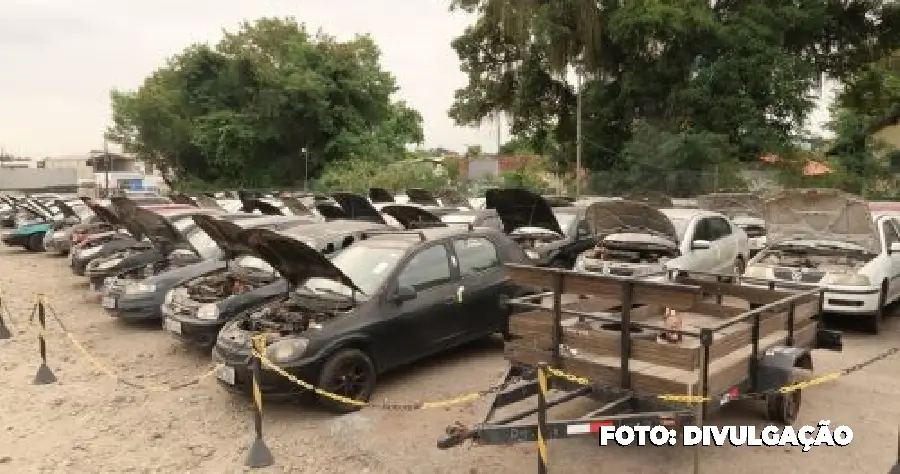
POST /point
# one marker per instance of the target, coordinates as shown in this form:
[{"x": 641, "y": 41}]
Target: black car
[
  {"x": 140, "y": 298},
  {"x": 196, "y": 310},
  {"x": 386, "y": 301},
  {"x": 551, "y": 235},
  {"x": 174, "y": 241}
]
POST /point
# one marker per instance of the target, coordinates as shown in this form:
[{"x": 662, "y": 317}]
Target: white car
[
  {"x": 640, "y": 240},
  {"x": 745, "y": 211},
  {"x": 829, "y": 238}
]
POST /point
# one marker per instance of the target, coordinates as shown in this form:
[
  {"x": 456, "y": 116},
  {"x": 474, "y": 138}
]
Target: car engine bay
[
  {"x": 628, "y": 252},
  {"x": 825, "y": 259},
  {"x": 291, "y": 316}
]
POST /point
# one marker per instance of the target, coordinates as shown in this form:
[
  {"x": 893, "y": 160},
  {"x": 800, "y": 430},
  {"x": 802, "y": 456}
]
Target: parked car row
[{"x": 346, "y": 287}]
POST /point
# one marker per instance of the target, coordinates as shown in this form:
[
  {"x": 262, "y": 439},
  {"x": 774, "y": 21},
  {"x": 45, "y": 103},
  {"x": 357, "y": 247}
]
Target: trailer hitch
[{"x": 455, "y": 435}]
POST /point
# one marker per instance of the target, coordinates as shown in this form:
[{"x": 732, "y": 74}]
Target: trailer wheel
[
  {"x": 349, "y": 373},
  {"x": 785, "y": 407}
]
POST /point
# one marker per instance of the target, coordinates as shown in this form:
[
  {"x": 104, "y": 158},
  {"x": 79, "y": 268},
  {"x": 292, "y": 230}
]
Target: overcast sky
[{"x": 59, "y": 59}]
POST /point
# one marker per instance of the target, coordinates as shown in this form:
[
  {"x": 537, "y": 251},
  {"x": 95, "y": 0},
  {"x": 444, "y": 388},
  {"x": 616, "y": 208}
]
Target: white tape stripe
[{"x": 578, "y": 429}]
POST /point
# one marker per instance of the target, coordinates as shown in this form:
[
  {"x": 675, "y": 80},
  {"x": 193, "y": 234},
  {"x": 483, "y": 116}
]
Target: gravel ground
[{"x": 86, "y": 422}]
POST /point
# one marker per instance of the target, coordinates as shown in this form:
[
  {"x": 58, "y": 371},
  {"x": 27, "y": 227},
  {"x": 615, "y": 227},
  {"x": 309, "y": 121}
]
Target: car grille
[{"x": 805, "y": 277}]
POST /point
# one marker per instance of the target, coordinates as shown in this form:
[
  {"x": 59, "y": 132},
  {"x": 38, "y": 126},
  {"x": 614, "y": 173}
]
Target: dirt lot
[{"x": 88, "y": 423}]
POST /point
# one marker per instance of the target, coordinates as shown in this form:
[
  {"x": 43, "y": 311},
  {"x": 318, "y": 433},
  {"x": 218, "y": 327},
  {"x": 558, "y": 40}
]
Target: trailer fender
[{"x": 777, "y": 364}]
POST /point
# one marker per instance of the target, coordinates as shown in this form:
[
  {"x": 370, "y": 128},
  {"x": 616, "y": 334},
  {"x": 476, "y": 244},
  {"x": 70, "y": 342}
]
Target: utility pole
[
  {"x": 306, "y": 169},
  {"x": 578, "y": 137},
  {"x": 499, "y": 133},
  {"x": 107, "y": 163}
]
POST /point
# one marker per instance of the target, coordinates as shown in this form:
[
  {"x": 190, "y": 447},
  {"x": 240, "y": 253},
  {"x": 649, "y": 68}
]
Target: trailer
[{"x": 613, "y": 347}]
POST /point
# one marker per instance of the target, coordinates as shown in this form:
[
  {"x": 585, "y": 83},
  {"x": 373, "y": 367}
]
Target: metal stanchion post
[
  {"x": 5, "y": 333},
  {"x": 542, "y": 418},
  {"x": 44, "y": 375},
  {"x": 259, "y": 454}
]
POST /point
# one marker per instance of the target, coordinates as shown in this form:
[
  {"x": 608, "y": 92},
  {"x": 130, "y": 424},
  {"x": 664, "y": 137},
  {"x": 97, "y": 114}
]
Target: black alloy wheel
[{"x": 349, "y": 373}]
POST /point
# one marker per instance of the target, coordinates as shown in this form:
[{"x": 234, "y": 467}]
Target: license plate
[
  {"x": 173, "y": 326},
  {"x": 108, "y": 302},
  {"x": 226, "y": 374}
]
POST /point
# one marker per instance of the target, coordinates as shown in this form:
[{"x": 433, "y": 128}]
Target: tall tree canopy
[
  {"x": 733, "y": 72},
  {"x": 243, "y": 111}
]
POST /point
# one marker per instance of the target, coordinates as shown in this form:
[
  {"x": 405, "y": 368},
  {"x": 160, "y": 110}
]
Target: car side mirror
[
  {"x": 895, "y": 247},
  {"x": 700, "y": 244},
  {"x": 403, "y": 293}
]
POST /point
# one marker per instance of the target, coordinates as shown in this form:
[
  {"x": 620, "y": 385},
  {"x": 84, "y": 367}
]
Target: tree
[
  {"x": 741, "y": 70},
  {"x": 253, "y": 108}
]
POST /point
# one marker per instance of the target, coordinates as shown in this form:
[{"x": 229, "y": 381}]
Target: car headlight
[
  {"x": 286, "y": 350},
  {"x": 756, "y": 272},
  {"x": 138, "y": 287},
  {"x": 208, "y": 311},
  {"x": 168, "y": 298},
  {"x": 847, "y": 279},
  {"x": 109, "y": 263},
  {"x": 532, "y": 254}
]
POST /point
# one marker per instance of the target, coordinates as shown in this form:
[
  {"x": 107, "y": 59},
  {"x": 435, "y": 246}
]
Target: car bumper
[
  {"x": 131, "y": 307},
  {"x": 192, "y": 331},
  {"x": 842, "y": 299},
  {"x": 271, "y": 384},
  {"x": 14, "y": 240},
  {"x": 57, "y": 245}
]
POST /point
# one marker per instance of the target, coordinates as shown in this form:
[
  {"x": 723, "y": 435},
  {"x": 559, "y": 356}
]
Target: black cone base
[
  {"x": 259, "y": 455},
  {"x": 44, "y": 375},
  {"x": 4, "y": 331}
]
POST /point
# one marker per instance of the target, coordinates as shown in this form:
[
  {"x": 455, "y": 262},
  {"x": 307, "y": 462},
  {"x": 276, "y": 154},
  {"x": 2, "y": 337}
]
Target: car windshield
[
  {"x": 566, "y": 221},
  {"x": 367, "y": 266}
]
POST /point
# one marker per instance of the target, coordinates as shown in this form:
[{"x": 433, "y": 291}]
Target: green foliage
[
  {"x": 269, "y": 105},
  {"x": 736, "y": 71},
  {"x": 358, "y": 175}
]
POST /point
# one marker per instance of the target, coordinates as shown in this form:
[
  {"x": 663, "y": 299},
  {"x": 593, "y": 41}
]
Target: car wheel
[
  {"x": 35, "y": 243},
  {"x": 875, "y": 319},
  {"x": 349, "y": 373}
]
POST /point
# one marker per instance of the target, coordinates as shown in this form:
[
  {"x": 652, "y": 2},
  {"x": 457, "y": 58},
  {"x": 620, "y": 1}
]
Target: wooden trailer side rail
[{"x": 564, "y": 337}]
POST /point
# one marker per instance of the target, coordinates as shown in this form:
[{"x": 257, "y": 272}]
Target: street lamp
[{"x": 306, "y": 169}]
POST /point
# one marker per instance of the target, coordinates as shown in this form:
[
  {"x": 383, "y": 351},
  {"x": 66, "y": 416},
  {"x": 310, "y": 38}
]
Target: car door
[
  {"x": 483, "y": 281},
  {"x": 425, "y": 323},
  {"x": 724, "y": 244},
  {"x": 891, "y": 234},
  {"x": 703, "y": 260}
]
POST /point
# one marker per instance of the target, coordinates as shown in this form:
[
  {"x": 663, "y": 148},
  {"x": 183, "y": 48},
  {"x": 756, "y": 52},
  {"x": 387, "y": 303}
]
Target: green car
[{"x": 29, "y": 236}]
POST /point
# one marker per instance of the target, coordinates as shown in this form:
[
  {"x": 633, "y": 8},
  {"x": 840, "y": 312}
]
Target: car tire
[
  {"x": 785, "y": 407},
  {"x": 874, "y": 322},
  {"x": 349, "y": 373},
  {"x": 35, "y": 243}
]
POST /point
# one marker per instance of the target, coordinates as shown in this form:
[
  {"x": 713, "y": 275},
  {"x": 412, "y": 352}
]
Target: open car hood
[
  {"x": 413, "y": 217},
  {"x": 104, "y": 213},
  {"x": 380, "y": 195},
  {"x": 331, "y": 211},
  {"x": 657, "y": 200},
  {"x": 226, "y": 235},
  {"x": 819, "y": 214},
  {"x": 732, "y": 204},
  {"x": 421, "y": 197},
  {"x": 521, "y": 208},
  {"x": 294, "y": 260},
  {"x": 358, "y": 207},
  {"x": 452, "y": 197},
  {"x": 207, "y": 202},
  {"x": 181, "y": 198},
  {"x": 628, "y": 217},
  {"x": 66, "y": 209},
  {"x": 296, "y": 206},
  {"x": 151, "y": 225},
  {"x": 125, "y": 209}
]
